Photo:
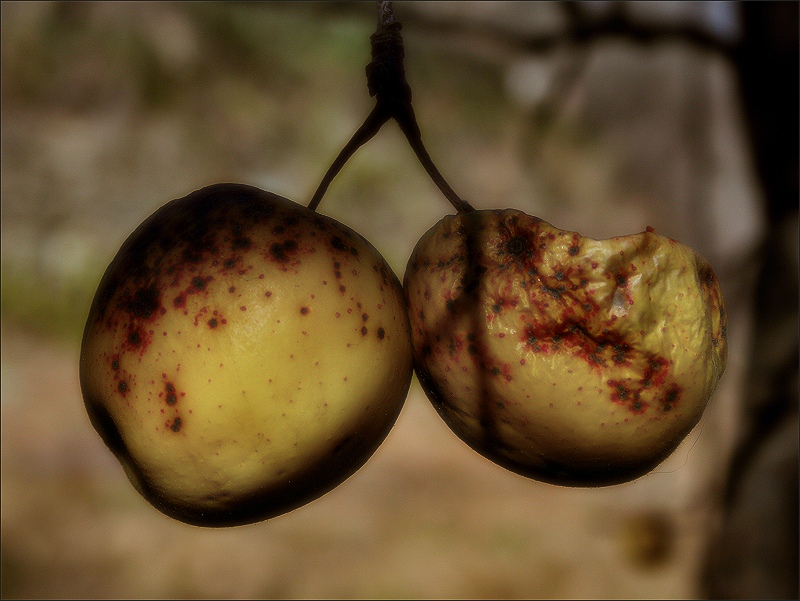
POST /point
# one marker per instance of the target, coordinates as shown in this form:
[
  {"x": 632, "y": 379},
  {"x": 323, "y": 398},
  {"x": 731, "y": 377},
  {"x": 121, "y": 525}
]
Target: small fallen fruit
[
  {"x": 244, "y": 355},
  {"x": 566, "y": 359}
]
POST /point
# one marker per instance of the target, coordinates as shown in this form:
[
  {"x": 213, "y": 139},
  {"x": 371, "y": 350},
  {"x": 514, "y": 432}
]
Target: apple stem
[
  {"x": 386, "y": 81},
  {"x": 368, "y": 129}
]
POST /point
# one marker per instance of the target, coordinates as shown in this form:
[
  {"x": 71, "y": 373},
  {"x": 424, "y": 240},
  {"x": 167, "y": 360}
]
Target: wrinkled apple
[
  {"x": 244, "y": 355},
  {"x": 566, "y": 359}
]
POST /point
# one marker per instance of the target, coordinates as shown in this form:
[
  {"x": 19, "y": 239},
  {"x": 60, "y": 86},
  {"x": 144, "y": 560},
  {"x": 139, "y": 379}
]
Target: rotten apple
[
  {"x": 566, "y": 359},
  {"x": 244, "y": 355}
]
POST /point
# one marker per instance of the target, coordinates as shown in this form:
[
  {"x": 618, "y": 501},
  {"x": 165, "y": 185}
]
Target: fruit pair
[{"x": 244, "y": 354}]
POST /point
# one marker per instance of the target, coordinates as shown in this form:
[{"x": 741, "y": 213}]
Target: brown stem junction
[{"x": 386, "y": 81}]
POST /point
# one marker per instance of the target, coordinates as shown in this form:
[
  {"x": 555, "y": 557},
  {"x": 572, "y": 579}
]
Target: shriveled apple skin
[
  {"x": 244, "y": 355},
  {"x": 566, "y": 359}
]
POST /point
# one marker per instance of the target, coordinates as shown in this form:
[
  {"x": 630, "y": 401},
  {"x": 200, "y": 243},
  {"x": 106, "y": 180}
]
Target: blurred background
[{"x": 600, "y": 117}]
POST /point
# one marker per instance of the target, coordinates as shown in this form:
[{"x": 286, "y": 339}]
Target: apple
[
  {"x": 566, "y": 359},
  {"x": 243, "y": 355}
]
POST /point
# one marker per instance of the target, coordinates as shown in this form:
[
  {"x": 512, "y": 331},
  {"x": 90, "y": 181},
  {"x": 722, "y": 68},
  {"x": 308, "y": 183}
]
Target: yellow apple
[
  {"x": 566, "y": 359},
  {"x": 244, "y": 355}
]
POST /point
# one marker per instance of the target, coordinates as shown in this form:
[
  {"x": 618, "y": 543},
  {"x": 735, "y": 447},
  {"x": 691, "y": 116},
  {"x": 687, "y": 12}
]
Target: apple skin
[
  {"x": 569, "y": 360},
  {"x": 243, "y": 355}
]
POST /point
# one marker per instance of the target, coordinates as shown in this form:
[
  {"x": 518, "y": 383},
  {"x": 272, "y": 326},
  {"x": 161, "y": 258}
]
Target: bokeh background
[{"x": 602, "y": 118}]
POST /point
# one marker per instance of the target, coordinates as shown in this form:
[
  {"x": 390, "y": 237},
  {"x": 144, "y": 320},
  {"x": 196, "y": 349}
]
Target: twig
[{"x": 386, "y": 81}]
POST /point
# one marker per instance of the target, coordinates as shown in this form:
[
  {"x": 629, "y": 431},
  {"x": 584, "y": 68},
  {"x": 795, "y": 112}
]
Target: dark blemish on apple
[
  {"x": 229, "y": 263},
  {"x": 656, "y": 372},
  {"x": 672, "y": 397},
  {"x": 241, "y": 243},
  {"x": 144, "y": 303},
  {"x": 304, "y": 310},
  {"x": 172, "y": 398},
  {"x": 232, "y": 289},
  {"x": 706, "y": 275},
  {"x": 191, "y": 255},
  {"x": 180, "y": 301},
  {"x": 115, "y": 362},
  {"x": 135, "y": 338},
  {"x": 517, "y": 246},
  {"x": 176, "y": 424},
  {"x": 364, "y": 331},
  {"x": 338, "y": 243},
  {"x": 622, "y": 280},
  {"x": 279, "y": 250},
  {"x": 381, "y": 333},
  {"x": 555, "y": 292},
  {"x": 268, "y": 293},
  {"x": 620, "y": 353},
  {"x": 364, "y": 317},
  {"x": 354, "y": 251},
  {"x": 532, "y": 341},
  {"x": 573, "y": 250},
  {"x": 243, "y": 308},
  {"x": 342, "y": 289},
  {"x": 123, "y": 387},
  {"x": 212, "y": 323},
  {"x": 621, "y": 391},
  {"x": 198, "y": 283}
]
